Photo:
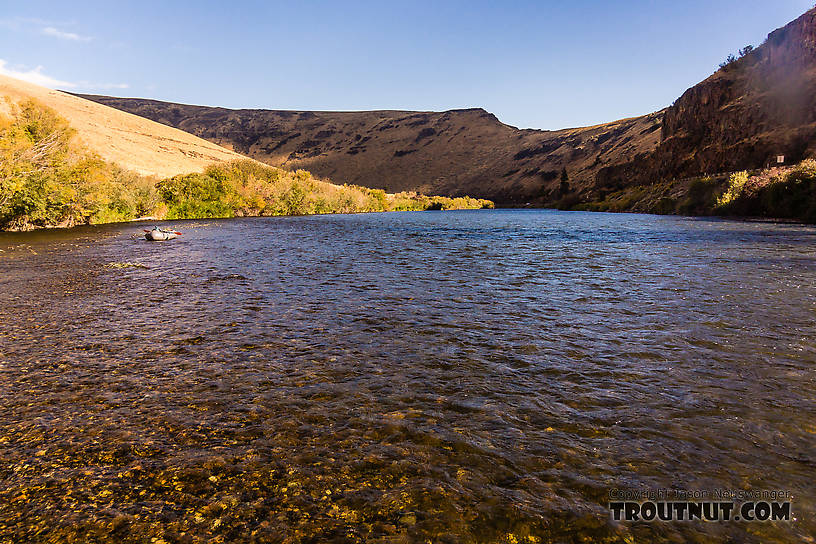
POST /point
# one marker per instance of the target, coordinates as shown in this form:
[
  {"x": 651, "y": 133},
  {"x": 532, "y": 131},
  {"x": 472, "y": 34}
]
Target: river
[{"x": 473, "y": 376}]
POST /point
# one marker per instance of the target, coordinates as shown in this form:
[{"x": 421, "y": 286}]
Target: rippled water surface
[{"x": 481, "y": 376}]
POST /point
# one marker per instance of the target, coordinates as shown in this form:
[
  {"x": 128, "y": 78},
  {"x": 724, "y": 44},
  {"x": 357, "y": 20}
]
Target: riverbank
[
  {"x": 48, "y": 179},
  {"x": 782, "y": 193}
]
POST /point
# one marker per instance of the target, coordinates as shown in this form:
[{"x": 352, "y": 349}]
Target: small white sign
[{"x": 780, "y": 159}]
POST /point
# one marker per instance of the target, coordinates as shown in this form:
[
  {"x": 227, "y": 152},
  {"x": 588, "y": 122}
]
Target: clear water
[{"x": 479, "y": 376}]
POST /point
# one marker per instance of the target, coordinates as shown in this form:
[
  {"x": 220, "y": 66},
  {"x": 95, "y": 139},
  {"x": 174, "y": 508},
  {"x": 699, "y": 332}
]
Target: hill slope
[
  {"x": 756, "y": 108},
  {"x": 452, "y": 153},
  {"x": 66, "y": 161},
  {"x": 132, "y": 142}
]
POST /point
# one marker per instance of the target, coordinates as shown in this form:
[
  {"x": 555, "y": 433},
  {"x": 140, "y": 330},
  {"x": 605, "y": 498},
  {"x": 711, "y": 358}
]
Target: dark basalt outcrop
[{"x": 742, "y": 117}]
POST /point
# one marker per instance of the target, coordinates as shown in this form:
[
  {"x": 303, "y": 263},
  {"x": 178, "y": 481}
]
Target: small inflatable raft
[{"x": 160, "y": 235}]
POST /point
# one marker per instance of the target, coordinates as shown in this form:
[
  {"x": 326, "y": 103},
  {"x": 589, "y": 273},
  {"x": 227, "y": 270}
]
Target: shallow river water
[{"x": 476, "y": 376}]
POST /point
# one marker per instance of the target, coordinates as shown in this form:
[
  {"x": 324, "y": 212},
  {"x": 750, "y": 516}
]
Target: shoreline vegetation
[
  {"x": 778, "y": 193},
  {"x": 48, "y": 179}
]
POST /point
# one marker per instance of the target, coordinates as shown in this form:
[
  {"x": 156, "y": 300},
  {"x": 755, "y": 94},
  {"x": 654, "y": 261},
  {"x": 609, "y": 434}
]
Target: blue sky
[{"x": 545, "y": 64}]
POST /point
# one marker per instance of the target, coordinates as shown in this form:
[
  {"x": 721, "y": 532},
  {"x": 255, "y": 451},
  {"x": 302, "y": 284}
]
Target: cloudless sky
[{"x": 545, "y": 64}]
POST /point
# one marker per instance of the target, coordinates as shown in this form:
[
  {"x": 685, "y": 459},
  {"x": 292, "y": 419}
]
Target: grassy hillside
[
  {"x": 48, "y": 177},
  {"x": 134, "y": 143}
]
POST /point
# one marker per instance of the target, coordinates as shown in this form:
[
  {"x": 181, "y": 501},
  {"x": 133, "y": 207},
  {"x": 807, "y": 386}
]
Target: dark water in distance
[{"x": 479, "y": 376}]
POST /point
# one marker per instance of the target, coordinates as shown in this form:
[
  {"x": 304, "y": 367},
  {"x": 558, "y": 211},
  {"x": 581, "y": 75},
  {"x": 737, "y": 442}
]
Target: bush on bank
[
  {"x": 787, "y": 195},
  {"x": 47, "y": 179},
  {"x": 247, "y": 188},
  {"x": 780, "y": 193}
]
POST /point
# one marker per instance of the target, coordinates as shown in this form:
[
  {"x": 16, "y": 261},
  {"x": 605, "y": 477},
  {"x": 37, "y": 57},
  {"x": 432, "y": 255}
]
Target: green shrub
[
  {"x": 734, "y": 190},
  {"x": 805, "y": 171},
  {"x": 47, "y": 179},
  {"x": 665, "y": 206},
  {"x": 700, "y": 197},
  {"x": 793, "y": 196},
  {"x": 193, "y": 196}
]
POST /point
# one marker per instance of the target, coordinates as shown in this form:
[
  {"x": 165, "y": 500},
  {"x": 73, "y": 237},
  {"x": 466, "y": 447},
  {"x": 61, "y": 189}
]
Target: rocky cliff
[{"x": 752, "y": 110}]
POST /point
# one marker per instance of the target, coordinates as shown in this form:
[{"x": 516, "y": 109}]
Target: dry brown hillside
[
  {"x": 451, "y": 153},
  {"x": 132, "y": 142}
]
